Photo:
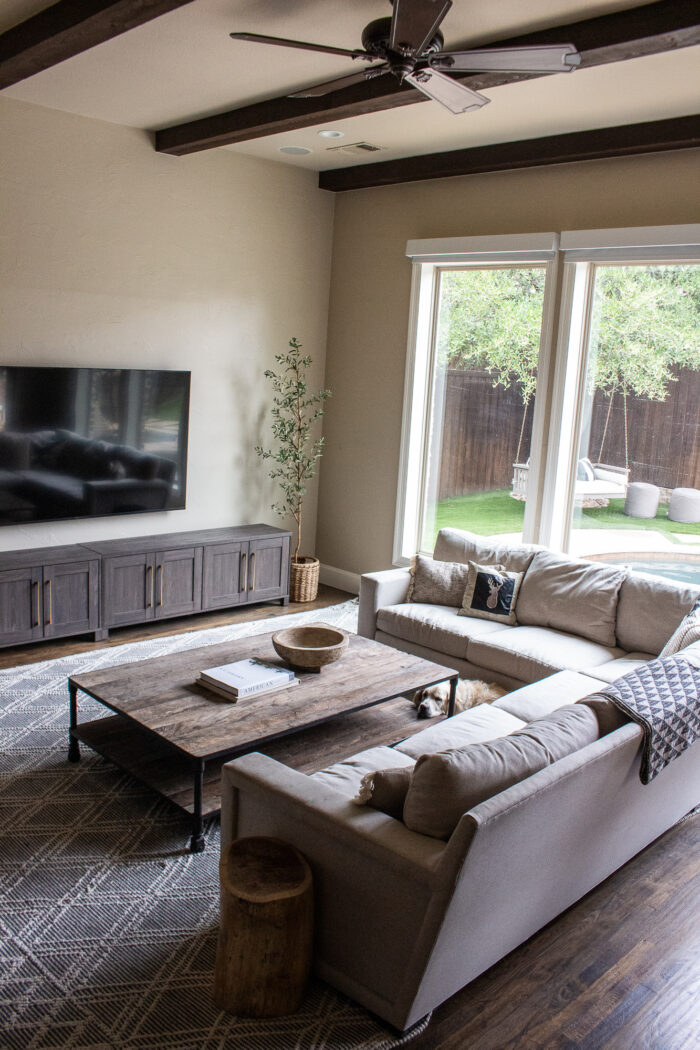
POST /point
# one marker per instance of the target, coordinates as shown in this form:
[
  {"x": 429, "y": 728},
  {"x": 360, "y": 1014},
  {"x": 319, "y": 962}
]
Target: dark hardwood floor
[{"x": 620, "y": 970}]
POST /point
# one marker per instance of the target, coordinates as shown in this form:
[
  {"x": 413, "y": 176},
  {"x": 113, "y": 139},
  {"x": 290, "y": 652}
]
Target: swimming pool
[{"x": 684, "y": 568}]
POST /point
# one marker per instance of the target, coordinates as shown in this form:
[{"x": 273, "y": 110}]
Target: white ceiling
[{"x": 184, "y": 65}]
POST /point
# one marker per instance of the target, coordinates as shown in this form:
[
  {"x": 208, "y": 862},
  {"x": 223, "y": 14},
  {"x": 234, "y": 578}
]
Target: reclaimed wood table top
[{"x": 162, "y": 695}]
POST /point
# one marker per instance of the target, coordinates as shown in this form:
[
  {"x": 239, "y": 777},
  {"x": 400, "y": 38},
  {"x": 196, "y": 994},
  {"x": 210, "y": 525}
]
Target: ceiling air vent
[{"x": 356, "y": 148}]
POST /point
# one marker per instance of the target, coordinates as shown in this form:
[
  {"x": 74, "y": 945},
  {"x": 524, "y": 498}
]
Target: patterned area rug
[{"x": 108, "y": 926}]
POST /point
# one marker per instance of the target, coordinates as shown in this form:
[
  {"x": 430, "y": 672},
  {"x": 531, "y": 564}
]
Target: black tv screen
[{"x": 91, "y": 442}]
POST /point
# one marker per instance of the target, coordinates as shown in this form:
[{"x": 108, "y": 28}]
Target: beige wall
[
  {"x": 113, "y": 255},
  {"x": 370, "y": 291}
]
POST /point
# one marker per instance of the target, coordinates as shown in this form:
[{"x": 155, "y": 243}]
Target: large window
[
  {"x": 483, "y": 391},
  {"x": 553, "y": 393}
]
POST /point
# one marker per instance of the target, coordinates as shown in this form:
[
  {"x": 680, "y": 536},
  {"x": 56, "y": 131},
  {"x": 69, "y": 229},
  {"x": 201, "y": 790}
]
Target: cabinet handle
[
  {"x": 244, "y": 573},
  {"x": 38, "y": 604},
  {"x": 50, "y": 620},
  {"x": 252, "y": 567},
  {"x": 162, "y": 573},
  {"x": 149, "y": 590}
]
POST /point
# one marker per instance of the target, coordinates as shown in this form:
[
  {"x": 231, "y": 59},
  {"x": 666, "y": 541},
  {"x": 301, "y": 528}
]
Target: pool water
[{"x": 683, "y": 571}]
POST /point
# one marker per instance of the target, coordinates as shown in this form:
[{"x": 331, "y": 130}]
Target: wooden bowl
[{"x": 312, "y": 647}]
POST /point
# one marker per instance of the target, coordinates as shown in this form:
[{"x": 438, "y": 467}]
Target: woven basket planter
[{"x": 303, "y": 579}]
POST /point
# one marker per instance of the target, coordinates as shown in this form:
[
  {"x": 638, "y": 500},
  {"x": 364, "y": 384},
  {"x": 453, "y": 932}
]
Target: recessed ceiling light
[
  {"x": 295, "y": 151},
  {"x": 331, "y": 134}
]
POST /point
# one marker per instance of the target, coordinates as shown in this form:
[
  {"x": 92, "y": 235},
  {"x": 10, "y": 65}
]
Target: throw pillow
[
  {"x": 437, "y": 582},
  {"x": 491, "y": 593},
  {"x": 585, "y": 470},
  {"x": 687, "y": 632},
  {"x": 448, "y": 784},
  {"x": 385, "y": 790}
]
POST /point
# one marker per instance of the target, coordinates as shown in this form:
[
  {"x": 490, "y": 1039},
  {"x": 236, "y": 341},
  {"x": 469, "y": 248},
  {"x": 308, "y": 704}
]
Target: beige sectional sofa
[
  {"x": 572, "y": 615},
  {"x": 404, "y": 919}
]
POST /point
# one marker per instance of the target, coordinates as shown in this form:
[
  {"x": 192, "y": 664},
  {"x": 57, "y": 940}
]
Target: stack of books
[{"x": 246, "y": 678}]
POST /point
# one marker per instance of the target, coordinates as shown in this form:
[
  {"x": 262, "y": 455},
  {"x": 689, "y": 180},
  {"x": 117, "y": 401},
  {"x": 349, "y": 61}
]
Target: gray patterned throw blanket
[{"x": 663, "y": 697}]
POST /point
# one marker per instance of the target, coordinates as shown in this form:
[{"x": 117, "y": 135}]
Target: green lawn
[{"x": 488, "y": 513}]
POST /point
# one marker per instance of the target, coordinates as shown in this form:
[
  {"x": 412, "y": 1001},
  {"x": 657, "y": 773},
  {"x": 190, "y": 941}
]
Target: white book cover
[
  {"x": 247, "y": 676},
  {"x": 228, "y": 694}
]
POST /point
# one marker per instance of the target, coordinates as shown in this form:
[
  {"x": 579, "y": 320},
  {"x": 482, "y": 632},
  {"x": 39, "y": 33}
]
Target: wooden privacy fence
[{"x": 482, "y": 424}]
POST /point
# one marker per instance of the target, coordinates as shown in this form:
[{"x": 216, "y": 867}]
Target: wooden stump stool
[{"x": 263, "y": 957}]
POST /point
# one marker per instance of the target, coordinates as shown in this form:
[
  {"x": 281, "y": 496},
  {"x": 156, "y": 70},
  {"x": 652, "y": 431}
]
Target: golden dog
[{"x": 435, "y": 699}]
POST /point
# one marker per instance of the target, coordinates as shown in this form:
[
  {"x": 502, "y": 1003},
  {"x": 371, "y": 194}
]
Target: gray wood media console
[{"x": 53, "y": 592}]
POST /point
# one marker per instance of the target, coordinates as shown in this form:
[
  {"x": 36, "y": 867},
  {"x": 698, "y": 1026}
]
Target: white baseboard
[{"x": 340, "y": 578}]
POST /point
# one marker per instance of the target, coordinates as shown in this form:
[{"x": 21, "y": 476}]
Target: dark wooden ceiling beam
[
  {"x": 625, "y": 141},
  {"x": 661, "y": 26},
  {"x": 68, "y": 27}
]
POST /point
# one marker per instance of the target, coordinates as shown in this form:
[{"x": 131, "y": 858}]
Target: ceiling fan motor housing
[{"x": 375, "y": 40}]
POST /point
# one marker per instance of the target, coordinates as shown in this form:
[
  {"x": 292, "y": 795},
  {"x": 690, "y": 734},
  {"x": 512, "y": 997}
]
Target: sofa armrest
[
  {"x": 257, "y": 790},
  {"x": 377, "y": 590}
]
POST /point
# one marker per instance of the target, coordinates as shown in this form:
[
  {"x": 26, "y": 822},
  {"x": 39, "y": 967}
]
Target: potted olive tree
[{"x": 295, "y": 455}]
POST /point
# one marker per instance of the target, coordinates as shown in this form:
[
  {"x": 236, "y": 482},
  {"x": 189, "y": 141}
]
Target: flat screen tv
[{"x": 91, "y": 442}]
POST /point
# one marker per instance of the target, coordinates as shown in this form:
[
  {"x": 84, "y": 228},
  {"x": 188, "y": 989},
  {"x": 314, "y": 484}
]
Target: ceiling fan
[{"x": 409, "y": 45}]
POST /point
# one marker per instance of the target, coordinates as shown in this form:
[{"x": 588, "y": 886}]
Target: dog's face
[{"x": 432, "y": 701}]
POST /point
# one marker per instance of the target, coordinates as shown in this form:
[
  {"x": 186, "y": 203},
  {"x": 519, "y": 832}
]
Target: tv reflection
[{"x": 91, "y": 442}]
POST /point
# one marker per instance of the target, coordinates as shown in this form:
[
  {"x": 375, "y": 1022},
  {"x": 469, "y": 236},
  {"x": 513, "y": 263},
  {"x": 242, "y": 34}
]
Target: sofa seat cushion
[
  {"x": 576, "y": 596},
  {"x": 543, "y": 697},
  {"x": 616, "y": 668},
  {"x": 649, "y": 611},
  {"x": 459, "y": 545},
  {"x": 437, "y": 627},
  {"x": 529, "y": 653},
  {"x": 484, "y": 722},
  {"x": 346, "y": 776},
  {"x": 450, "y": 783}
]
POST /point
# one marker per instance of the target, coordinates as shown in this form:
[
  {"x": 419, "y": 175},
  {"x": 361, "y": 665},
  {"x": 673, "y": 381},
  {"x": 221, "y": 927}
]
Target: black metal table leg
[
  {"x": 197, "y": 840},
  {"x": 453, "y": 695},
  {"x": 73, "y": 745}
]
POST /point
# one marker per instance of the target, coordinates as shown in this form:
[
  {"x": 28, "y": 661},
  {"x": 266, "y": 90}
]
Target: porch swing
[{"x": 596, "y": 483}]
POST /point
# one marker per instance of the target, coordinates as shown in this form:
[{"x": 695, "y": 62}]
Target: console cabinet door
[
  {"x": 20, "y": 606},
  {"x": 128, "y": 589},
  {"x": 268, "y": 568},
  {"x": 70, "y": 598},
  {"x": 224, "y": 572},
  {"x": 178, "y": 582}
]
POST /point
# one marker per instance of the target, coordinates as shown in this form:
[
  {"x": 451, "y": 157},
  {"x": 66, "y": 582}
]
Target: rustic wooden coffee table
[{"x": 173, "y": 734}]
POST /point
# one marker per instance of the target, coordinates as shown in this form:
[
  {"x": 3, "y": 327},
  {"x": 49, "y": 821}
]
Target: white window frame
[{"x": 570, "y": 258}]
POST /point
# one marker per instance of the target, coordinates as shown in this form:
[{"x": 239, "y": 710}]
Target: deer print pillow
[{"x": 491, "y": 593}]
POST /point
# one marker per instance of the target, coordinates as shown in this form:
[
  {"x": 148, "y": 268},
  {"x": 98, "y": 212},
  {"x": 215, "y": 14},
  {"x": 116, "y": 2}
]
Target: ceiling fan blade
[
  {"x": 340, "y": 82},
  {"x": 258, "y": 38},
  {"x": 414, "y": 24},
  {"x": 556, "y": 58},
  {"x": 455, "y": 96}
]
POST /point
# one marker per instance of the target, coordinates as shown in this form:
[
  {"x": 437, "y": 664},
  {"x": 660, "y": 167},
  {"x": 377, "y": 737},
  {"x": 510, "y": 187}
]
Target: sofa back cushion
[
  {"x": 577, "y": 597},
  {"x": 649, "y": 611},
  {"x": 458, "y": 545},
  {"x": 445, "y": 785}
]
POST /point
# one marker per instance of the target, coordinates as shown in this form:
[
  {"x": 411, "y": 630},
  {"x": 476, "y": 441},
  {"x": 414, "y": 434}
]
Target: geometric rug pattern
[{"x": 107, "y": 923}]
